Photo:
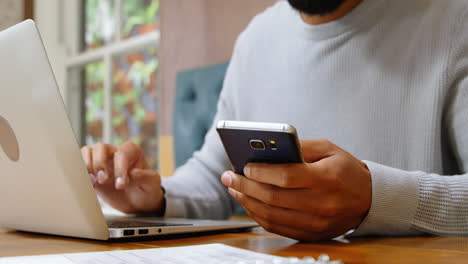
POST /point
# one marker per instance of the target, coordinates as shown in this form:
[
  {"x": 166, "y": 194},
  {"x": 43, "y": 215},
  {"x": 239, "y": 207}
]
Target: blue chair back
[{"x": 197, "y": 93}]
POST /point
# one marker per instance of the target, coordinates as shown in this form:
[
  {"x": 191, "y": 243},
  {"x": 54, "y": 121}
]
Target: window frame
[{"x": 75, "y": 91}]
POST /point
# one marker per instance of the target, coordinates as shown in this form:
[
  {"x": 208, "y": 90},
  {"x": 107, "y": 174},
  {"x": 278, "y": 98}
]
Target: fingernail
[
  {"x": 101, "y": 176},
  {"x": 93, "y": 178},
  {"x": 247, "y": 171},
  {"x": 119, "y": 183},
  {"x": 226, "y": 179}
]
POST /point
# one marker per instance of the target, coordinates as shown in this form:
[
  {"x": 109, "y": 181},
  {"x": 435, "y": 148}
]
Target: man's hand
[
  {"x": 322, "y": 198},
  {"x": 121, "y": 176}
]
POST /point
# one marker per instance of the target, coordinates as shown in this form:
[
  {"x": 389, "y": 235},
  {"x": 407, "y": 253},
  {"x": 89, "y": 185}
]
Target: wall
[
  {"x": 195, "y": 33},
  {"x": 11, "y": 12}
]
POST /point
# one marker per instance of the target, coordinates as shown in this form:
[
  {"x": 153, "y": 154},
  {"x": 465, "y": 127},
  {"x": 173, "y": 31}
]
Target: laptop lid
[{"x": 44, "y": 184}]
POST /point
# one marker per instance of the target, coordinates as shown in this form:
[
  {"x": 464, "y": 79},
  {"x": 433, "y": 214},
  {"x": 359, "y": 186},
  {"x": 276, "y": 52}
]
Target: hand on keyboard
[{"x": 121, "y": 177}]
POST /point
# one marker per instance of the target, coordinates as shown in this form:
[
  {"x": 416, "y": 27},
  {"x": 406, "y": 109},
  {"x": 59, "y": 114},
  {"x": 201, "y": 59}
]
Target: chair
[{"x": 197, "y": 93}]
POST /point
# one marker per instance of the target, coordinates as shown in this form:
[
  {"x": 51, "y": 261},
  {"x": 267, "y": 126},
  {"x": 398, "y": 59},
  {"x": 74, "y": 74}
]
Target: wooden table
[{"x": 361, "y": 250}]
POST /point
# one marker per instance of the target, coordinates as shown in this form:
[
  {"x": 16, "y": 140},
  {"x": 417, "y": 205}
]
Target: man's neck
[{"x": 344, "y": 9}]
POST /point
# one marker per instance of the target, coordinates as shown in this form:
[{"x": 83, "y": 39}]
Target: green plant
[
  {"x": 93, "y": 22},
  {"x": 94, "y": 93},
  {"x": 136, "y": 14}
]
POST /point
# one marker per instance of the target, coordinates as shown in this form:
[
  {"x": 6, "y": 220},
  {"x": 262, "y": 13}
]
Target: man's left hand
[{"x": 322, "y": 198}]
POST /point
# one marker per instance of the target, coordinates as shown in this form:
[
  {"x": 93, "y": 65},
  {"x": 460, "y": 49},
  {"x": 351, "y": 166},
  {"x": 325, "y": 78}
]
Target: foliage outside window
[
  {"x": 100, "y": 23},
  {"x": 134, "y": 101},
  {"x": 133, "y": 96},
  {"x": 139, "y": 17},
  {"x": 94, "y": 102}
]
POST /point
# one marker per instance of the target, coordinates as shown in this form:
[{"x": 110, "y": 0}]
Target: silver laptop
[{"x": 44, "y": 184}]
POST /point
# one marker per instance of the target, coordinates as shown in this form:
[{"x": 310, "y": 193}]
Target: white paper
[{"x": 206, "y": 254}]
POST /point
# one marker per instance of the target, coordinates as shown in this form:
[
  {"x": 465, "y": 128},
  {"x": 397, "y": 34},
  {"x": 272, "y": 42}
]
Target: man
[{"x": 386, "y": 80}]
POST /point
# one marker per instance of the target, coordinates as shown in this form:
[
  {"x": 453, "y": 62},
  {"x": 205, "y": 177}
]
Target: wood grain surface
[{"x": 359, "y": 250}]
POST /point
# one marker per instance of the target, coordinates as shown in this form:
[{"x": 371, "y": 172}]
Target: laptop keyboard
[{"x": 132, "y": 223}]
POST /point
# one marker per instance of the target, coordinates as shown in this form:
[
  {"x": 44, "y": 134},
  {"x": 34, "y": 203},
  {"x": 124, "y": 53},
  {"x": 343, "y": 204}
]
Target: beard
[{"x": 316, "y": 7}]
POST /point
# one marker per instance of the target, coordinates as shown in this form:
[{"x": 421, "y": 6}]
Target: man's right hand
[{"x": 121, "y": 177}]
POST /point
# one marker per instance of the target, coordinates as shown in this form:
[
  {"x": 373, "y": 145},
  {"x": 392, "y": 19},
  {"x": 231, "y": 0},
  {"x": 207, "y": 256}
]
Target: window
[{"x": 112, "y": 93}]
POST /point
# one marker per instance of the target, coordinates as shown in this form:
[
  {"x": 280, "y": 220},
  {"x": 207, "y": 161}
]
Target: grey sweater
[{"x": 388, "y": 83}]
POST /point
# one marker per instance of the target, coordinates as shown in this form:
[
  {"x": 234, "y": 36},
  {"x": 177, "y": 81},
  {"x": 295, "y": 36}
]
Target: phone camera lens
[{"x": 257, "y": 144}]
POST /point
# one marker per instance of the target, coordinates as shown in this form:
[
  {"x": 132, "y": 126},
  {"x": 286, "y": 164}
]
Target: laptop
[{"x": 44, "y": 184}]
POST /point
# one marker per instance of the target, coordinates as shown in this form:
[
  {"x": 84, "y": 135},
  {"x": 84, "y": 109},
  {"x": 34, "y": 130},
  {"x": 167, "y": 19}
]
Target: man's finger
[
  {"x": 282, "y": 230},
  {"x": 87, "y": 154},
  {"x": 316, "y": 201},
  {"x": 283, "y": 216},
  {"x": 101, "y": 154},
  {"x": 317, "y": 149},
  {"x": 269, "y": 194},
  {"x": 145, "y": 178},
  {"x": 291, "y": 175},
  {"x": 124, "y": 158},
  {"x": 285, "y": 229}
]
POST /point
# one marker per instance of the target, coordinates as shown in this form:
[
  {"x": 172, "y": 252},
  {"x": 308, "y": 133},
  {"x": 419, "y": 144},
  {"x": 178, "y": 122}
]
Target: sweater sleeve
[
  {"x": 410, "y": 203},
  {"x": 195, "y": 190},
  {"x": 417, "y": 202}
]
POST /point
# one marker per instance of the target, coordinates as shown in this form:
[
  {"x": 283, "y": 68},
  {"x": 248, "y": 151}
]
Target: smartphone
[{"x": 246, "y": 142}]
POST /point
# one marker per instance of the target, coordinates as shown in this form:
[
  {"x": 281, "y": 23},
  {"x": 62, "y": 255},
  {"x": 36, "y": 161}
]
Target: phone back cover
[{"x": 236, "y": 143}]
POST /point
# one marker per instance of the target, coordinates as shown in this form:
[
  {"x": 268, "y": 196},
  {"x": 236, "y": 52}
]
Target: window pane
[
  {"x": 139, "y": 17},
  {"x": 100, "y": 23},
  {"x": 134, "y": 102},
  {"x": 94, "y": 102}
]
